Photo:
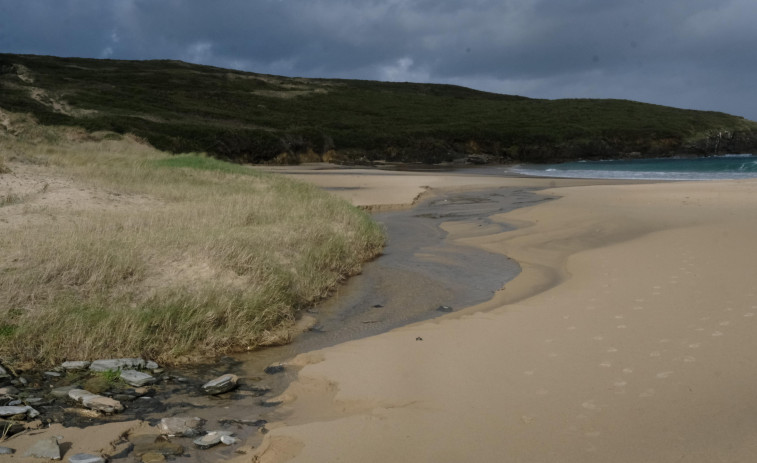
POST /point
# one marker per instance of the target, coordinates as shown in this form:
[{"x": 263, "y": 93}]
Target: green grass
[
  {"x": 187, "y": 257},
  {"x": 193, "y": 161},
  {"x": 248, "y": 117}
]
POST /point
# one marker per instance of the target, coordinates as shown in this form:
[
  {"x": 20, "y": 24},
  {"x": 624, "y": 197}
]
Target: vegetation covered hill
[{"x": 250, "y": 117}]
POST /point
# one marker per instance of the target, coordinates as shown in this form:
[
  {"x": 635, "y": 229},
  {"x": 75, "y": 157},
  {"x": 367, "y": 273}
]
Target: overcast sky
[{"x": 699, "y": 54}]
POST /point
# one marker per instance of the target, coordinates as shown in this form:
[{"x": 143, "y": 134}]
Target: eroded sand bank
[{"x": 642, "y": 352}]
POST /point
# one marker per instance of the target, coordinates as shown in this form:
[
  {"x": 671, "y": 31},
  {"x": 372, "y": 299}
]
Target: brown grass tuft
[{"x": 216, "y": 258}]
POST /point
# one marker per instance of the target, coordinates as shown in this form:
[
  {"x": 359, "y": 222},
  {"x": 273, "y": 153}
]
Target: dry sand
[{"x": 629, "y": 337}]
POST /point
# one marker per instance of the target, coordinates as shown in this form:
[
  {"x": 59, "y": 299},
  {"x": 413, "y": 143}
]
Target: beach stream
[{"x": 421, "y": 274}]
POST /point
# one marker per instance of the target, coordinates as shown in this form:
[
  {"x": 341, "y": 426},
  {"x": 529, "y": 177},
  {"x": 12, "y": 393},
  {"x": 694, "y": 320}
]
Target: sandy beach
[{"x": 628, "y": 337}]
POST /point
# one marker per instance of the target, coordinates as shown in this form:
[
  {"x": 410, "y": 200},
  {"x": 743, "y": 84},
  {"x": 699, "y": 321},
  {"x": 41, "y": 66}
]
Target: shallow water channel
[{"x": 421, "y": 274}]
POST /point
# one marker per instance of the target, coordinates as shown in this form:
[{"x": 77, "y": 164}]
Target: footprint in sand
[
  {"x": 605, "y": 364},
  {"x": 724, "y": 323},
  {"x": 717, "y": 333},
  {"x": 598, "y": 338},
  {"x": 589, "y": 405},
  {"x": 689, "y": 359},
  {"x": 748, "y": 315},
  {"x": 611, "y": 350},
  {"x": 627, "y": 371},
  {"x": 655, "y": 354},
  {"x": 664, "y": 374},
  {"x": 622, "y": 327},
  {"x": 696, "y": 345},
  {"x": 648, "y": 393}
]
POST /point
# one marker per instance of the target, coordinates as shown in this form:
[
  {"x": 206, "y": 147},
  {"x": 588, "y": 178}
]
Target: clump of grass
[
  {"x": 103, "y": 381},
  {"x": 4, "y": 169},
  {"x": 10, "y": 198},
  {"x": 219, "y": 259}
]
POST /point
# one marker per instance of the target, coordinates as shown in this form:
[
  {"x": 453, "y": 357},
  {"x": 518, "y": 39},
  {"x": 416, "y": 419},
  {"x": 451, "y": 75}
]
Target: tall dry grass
[{"x": 204, "y": 258}]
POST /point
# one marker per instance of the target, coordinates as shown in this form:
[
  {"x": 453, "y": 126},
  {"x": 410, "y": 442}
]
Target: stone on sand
[
  {"x": 221, "y": 384},
  {"x": 212, "y": 438},
  {"x": 85, "y": 458},
  {"x": 137, "y": 378},
  {"x": 46, "y": 448},
  {"x": 95, "y": 401},
  {"x": 75, "y": 365},
  {"x": 180, "y": 426}
]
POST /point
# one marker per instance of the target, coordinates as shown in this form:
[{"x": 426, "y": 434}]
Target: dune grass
[{"x": 194, "y": 258}]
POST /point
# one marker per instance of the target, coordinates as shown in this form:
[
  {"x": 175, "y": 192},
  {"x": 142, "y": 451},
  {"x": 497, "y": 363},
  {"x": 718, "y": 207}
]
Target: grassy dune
[{"x": 194, "y": 257}]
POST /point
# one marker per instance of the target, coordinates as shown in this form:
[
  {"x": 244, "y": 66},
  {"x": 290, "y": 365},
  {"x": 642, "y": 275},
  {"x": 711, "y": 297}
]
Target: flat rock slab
[
  {"x": 61, "y": 392},
  {"x": 75, "y": 365},
  {"x": 85, "y": 458},
  {"x": 180, "y": 426},
  {"x": 96, "y": 402},
  {"x": 13, "y": 410},
  {"x": 6, "y": 451},
  {"x": 45, "y": 448},
  {"x": 212, "y": 438},
  {"x": 137, "y": 378},
  {"x": 221, "y": 384},
  {"x": 117, "y": 364},
  {"x": 4, "y": 373}
]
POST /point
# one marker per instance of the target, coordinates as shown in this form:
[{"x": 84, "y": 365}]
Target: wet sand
[{"x": 627, "y": 337}]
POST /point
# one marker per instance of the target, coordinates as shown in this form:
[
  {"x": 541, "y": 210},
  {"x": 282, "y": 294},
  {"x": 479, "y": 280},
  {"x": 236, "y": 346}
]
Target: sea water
[{"x": 725, "y": 167}]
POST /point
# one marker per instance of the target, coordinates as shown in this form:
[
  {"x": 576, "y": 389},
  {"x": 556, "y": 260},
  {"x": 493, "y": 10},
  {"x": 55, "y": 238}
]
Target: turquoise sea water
[{"x": 730, "y": 166}]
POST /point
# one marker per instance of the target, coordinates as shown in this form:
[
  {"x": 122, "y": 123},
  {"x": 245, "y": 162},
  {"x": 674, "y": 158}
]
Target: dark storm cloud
[{"x": 686, "y": 53}]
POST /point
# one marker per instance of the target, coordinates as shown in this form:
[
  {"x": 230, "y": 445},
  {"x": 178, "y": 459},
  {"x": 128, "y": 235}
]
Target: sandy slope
[{"x": 644, "y": 351}]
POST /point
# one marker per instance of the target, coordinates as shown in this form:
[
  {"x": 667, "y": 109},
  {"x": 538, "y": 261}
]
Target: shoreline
[
  {"x": 625, "y": 340},
  {"x": 464, "y": 187}
]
